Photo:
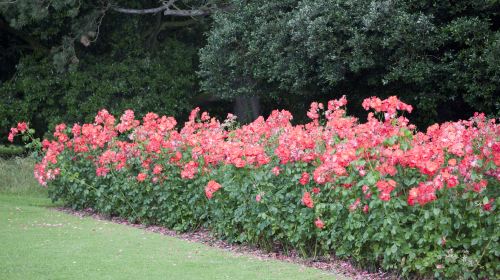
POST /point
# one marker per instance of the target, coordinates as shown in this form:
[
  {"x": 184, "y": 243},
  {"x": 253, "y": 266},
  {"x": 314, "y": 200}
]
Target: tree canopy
[
  {"x": 67, "y": 59},
  {"x": 431, "y": 53},
  {"x": 78, "y": 56},
  {"x": 56, "y": 25}
]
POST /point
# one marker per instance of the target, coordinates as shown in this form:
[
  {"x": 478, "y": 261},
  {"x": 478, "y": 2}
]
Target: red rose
[
  {"x": 307, "y": 200},
  {"x": 304, "y": 179},
  {"x": 319, "y": 223}
]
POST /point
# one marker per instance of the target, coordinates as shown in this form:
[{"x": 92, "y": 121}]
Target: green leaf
[
  {"x": 436, "y": 211},
  {"x": 485, "y": 200},
  {"x": 394, "y": 248}
]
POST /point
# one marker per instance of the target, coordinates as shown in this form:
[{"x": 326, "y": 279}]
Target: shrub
[
  {"x": 10, "y": 151},
  {"x": 378, "y": 192}
]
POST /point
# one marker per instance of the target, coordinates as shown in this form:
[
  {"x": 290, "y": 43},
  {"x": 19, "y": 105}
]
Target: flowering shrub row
[{"x": 378, "y": 192}]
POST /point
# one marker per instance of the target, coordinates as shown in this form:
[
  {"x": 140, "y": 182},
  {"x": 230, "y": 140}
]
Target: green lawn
[{"x": 38, "y": 242}]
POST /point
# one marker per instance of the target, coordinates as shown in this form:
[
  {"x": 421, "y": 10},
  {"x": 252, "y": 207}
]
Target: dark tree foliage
[
  {"x": 440, "y": 56},
  {"x": 162, "y": 84},
  {"x": 63, "y": 60},
  {"x": 59, "y": 25}
]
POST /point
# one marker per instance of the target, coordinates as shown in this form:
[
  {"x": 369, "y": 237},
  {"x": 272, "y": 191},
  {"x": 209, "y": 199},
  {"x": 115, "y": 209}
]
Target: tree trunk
[{"x": 247, "y": 109}]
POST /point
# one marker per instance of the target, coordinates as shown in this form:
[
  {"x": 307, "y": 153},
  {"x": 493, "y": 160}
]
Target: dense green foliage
[
  {"x": 440, "y": 56},
  {"x": 37, "y": 94},
  {"x": 73, "y": 58}
]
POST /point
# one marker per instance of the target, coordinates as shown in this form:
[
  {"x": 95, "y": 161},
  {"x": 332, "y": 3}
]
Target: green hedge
[{"x": 11, "y": 151}]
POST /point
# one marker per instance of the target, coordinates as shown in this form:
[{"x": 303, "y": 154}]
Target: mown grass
[{"x": 39, "y": 242}]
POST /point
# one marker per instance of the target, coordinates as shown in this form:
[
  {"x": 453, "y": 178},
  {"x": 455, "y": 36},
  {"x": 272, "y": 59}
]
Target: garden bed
[{"x": 380, "y": 193}]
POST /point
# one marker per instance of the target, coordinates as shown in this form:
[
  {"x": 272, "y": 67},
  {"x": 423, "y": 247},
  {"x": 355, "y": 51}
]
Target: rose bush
[{"x": 378, "y": 192}]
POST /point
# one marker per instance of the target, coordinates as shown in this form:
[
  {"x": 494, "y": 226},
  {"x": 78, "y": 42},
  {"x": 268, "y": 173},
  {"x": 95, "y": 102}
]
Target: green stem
[{"x": 482, "y": 254}]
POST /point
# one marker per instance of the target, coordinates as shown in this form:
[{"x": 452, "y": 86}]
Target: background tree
[
  {"x": 441, "y": 56},
  {"x": 65, "y": 21},
  {"x": 62, "y": 60},
  {"x": 66, "y": 59}
]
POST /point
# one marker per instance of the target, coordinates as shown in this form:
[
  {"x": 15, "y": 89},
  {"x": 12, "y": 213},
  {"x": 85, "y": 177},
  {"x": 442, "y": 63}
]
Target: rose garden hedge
[{"x": 378, "y": 192}]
